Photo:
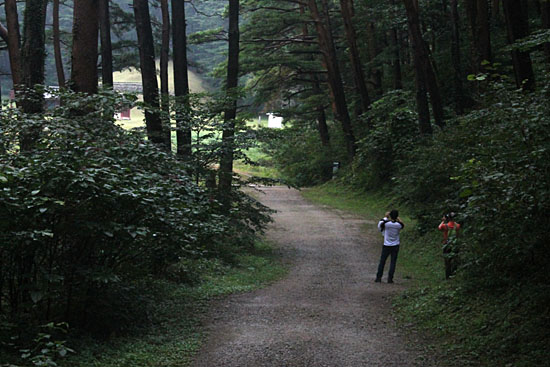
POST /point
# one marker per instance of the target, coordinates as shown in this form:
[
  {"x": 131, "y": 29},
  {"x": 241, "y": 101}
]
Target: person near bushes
[
  {"x": 450, "y": 230},
  {"x": 390, "y": 227}
]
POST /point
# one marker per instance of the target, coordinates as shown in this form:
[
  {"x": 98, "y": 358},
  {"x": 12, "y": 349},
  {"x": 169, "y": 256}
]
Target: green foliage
[
  {"x": 392, "y": 134},
  {"x": 505, "y": 182},
  {"x": 299, "y": 156},
  {"x": 93, "y": 211},
  {"x": 176, "y": 332}
]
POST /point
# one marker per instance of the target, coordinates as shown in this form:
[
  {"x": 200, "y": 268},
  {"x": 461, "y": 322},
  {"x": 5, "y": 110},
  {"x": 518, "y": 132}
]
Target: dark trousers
[{"x": 387, "y": 251}]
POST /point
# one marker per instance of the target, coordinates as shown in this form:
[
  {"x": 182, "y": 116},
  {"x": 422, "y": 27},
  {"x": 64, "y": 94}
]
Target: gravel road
[{"x": 327, "y": 312}]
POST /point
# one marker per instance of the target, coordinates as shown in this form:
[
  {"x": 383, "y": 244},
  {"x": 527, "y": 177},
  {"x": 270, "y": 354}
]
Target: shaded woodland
[{"x": 440, "y": 105}]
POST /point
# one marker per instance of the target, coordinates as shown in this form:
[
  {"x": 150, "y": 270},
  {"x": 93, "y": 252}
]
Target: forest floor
[{"x": 327, "y": 312}]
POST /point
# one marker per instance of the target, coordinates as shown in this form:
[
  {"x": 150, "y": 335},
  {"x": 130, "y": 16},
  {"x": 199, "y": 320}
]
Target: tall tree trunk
[
  {"x": 375, "y": 73},
  {"x": 14, "y": 41},
  {"x": 84, "y": 51},
  {"x": 346, "y": 7},
  {"x": 480, "y": 33},
  {"x": 425, "y": 75},
  {"x": 144, "y": 31},
  {"x": 33, "y": 55},
  {"x": 106, "y": 47},
  {"x": 230, "y": 113},
  {"x": 545, "y": 15},
  {"x": 483, "y": 31},
  {"x": 322, "y": 127},
  {"x": 336, "y": 86},
  {"x": 455, "y": 58},
  {"x": 181, "y": 79},
  {"x": 57, "y": 45},
  {"x": 321, "y": 115},
  {"x": 396, "y": 59},
  {"x": 164, "y": 92},
  {"x": 419, "y": 60},
  {"x": 517, "y": 26}
]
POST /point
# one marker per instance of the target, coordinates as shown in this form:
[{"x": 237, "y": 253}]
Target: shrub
[{"x": 94, "y": 209}]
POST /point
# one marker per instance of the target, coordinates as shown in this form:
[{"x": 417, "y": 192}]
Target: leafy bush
[
  {"x": 393, "y": 133},
  {"x": 299, "y": 156},
  {"x": 92, "y": 209},
  {"x": 505, "y": 185}
]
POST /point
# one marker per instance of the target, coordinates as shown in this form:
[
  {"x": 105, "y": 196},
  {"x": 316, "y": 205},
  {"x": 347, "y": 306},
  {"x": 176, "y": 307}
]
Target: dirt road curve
[{"x": 326, "y": 312}]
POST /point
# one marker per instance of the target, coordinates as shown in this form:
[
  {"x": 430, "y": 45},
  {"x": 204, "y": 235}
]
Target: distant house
[
  {"x": 274, "y": 122},
  {"x": 123, "y": 113}
]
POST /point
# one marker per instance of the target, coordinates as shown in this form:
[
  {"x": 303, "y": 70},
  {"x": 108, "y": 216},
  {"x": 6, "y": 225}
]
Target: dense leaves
[{"x": 93, "y": 210}]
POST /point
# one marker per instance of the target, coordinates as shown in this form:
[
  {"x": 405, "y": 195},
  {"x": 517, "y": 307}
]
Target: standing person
[
  {"x": 391, "y": 229},
  {"x": 450, "y": 230}
]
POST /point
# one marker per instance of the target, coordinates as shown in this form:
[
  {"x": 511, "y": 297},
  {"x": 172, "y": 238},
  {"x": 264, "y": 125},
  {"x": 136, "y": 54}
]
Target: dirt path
[{"x": 326, "y": 312}]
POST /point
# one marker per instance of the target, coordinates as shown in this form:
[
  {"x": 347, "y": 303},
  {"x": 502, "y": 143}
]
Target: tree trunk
[
  {"x": 483, "y": 32},
  {"x": 181, "y": 79},
  {"x": 106, "y": 47},
  {"x": 480, "y": 31},
  {"x": 357, "y": 68},
  {"x": 545, "y": 15},
  {"x": 33, "y": 55},
  {"x": 230, "y": 113},
  {"x": 322, "y": 127},
  {"x": 455, "y": 58},
  {"x": 164, "y": 92},
  {"x": 84, "y": 51},
  {"x": 425, "y": 76},
  {"x": 517, "y": 26},
  {"x": 336, "y": 86},
  {"x": 14, "y": 41},
  {"x": 375, "y": 73},
  {"x": 57, "y": 45},
  {"x": 396, "y": 59},
  {"x": 144, "y": 31}
]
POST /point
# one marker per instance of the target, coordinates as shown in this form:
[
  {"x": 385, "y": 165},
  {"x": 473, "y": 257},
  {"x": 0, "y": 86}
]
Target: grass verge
[
  {"x": 175, "y": 333},
  {"x": 460, "y": 325}
]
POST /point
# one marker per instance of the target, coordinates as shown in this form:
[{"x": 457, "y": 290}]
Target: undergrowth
[{"x": 174, "y": 333}]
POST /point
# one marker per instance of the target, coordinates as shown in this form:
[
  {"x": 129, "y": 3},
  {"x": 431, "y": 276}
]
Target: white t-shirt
[{"x": 391, "y": 232}]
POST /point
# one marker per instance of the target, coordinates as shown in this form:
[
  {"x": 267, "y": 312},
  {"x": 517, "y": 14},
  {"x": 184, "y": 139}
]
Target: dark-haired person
[
  {"x": 450, "y": 230},
  {"x": 391, "y": 228}
]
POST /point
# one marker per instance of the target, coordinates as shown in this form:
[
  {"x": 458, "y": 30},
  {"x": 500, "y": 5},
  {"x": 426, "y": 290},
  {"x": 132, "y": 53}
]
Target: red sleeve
[{"x": 442, "y": 227}]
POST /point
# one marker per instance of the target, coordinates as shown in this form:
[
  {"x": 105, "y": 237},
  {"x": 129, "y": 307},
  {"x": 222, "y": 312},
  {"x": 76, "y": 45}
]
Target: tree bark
[
  {"x": 517, "y": 26},
  {"x": 164, "y": 92},
  {"x": 455, "y": 58},
  {"x": 346, "y": 7},
  {"x": 57, "y": 45},
  {"x": 106, "y": 46},
  {"x": 336, "y": 86},
  {"x": 181, "y": 79},
  {"x": 484, "y": 31},
  {"x": 545, "y": 17},
  {"x": 478, "y": 16},
  {"x": 375, "y": 73},
  {"x": 144, "y": 31},
  {"x": 14, "y": 41},
  {"x": 425, "y": 76},
  {"x": 84, "y": 52},
  {"x": 33, "y": 55},
  {"x": 230, "y": 113},
  {"x": 396, "y": 59}
]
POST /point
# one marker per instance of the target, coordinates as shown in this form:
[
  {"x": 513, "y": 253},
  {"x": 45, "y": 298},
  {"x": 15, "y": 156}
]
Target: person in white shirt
[{"x": 390, "y": 227}]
